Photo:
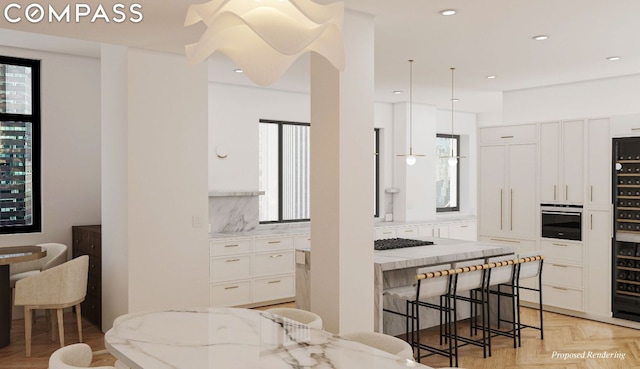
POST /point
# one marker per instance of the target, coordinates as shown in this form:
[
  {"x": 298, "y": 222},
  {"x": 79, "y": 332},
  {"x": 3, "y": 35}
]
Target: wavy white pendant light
[
  {"x": 411, "y": 157},
  {"x": 452, "y": 158},
  {"x": 264, "y": 37}
]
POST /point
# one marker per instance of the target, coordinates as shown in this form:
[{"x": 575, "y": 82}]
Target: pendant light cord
[{"x": 410, "y": 106}]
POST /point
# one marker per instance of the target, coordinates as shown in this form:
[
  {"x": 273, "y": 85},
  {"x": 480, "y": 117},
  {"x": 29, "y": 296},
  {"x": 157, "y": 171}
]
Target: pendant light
[
  {"x": 452, "y": 158},
  {"x": 411, "y": 157}
]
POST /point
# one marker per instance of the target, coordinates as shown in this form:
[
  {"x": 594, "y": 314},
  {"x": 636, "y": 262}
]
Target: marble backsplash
[{"x": 233, "y": 213}]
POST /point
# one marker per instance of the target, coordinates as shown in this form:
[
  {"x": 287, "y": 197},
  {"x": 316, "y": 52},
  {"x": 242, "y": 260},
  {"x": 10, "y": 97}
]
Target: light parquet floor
[{"x": 563, "y": 334}]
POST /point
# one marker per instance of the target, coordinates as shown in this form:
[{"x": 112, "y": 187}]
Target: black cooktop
[{"x": 398, "y": 243}]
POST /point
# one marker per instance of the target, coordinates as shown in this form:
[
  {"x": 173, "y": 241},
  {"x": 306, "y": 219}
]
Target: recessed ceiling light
[
  {"x": 613, "y": 58},
  {"x": 492, "y": 77},
  {"x": 448, "y": 12},
  {"x": 397, "y": 92},
  {"x": 540, "y": 37},
  {"x": 238, "y": 70}
]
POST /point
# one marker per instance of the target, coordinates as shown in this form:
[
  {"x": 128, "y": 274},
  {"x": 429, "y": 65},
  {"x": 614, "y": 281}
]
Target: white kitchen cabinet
[
  {"x": 384, "y": 233},
  {"x": 407, "y": 231},
  {"x": 561, "y": 162},
  {"x": 252, "y": 271},
  {"x": 508, "y": 134},
  {"x": 440, "y": 230},
  {"x": 508, "y": 205},
  {"x": 302, "y": 241},
  {"x": 563, "y": 297},
  {"x": 464, "y": 231},
  {"x": 598, "y": 163},
  {"x": 563, "y": 274},
  {"x": 598, "y": 262}
]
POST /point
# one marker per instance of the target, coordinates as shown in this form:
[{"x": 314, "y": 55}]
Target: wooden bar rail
[{"x": 448, "y": 272}]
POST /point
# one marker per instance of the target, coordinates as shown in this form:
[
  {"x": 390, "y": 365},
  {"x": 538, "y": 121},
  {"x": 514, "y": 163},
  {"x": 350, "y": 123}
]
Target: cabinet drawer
[
  {"x": 302, "y": 241},
  {"x": 94, "y": 286},
  {"x": 508, "y": 134},
  {"x": 87, "y": 242},
  {"x": 272, "y": 244},
  {"x": 230, "y": 268},
  {"x": 274, "y": 288},
  {"x": 384, "y": 233},
  {"x": 273, "y": 263},
  {"x": 427, "y": 231},
  {"x": 520, "y": 246},
  {"x": 562, "y": 251},
  {"x": 95, "y": 266},
  {"x": 561, "y": 274},
  {"x": 230, "y": 247},
  {"x": 407, "y": 232},
  {"x": 464, "y": 231},
  {"x": 230, "y": 294},
  {"x": 561, "y": 297}
]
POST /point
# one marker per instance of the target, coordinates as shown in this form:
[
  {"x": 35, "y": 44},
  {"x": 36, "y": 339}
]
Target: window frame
[
  {"x": 35, "y": 118},
  {"x": 376, "y": 210},
  {"x": 457, "y": 207}
]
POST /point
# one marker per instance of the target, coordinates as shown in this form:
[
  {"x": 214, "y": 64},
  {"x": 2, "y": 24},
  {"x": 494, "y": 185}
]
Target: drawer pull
[
  {"x": 273, "y": 282},
  {"x": 559, "y": 266},
  {"x": 501, "y": 240},
  {"x": 93, "y": 246},
  {"x": 559, "y": 288},
  {"x": 272, "y": 242},
  {"x": 506, "y": 136},
  {"x": 309, "y": 239},
  {"x": 232, "y": 260},
  {"x": 231, "y": 245},
  {"x": 231, "y": 288},
  {"x": 276, "y": 256},
  {"x": 561, "y": 244},
  {"x": 464, "y": 226},
  {"x": 408, "y": 230},
  {"x": 387, "y": 232},
  {"x": 635, "y": 129}
]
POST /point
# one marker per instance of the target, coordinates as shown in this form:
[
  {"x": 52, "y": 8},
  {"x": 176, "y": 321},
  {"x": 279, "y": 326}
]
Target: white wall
[
  {"x": 70, "y": 91},
  {"x": 465, "y": 126},
  {"x": 596, "y": 98}
]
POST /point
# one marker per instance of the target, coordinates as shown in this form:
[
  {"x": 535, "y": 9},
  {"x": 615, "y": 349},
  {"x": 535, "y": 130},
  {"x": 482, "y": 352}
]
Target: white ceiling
[{"x": 486, "y": 37}]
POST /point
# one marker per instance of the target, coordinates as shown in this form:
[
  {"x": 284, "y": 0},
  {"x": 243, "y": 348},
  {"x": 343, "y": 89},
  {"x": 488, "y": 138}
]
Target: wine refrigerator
[{"x": 626, "y": 243}]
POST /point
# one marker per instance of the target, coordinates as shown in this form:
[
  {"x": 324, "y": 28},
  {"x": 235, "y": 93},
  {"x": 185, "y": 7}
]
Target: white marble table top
[{"x": 224, "y": 338}]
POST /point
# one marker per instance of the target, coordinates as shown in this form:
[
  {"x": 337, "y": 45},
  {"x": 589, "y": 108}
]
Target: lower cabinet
[
  {"x": 252, "y": 270},
  {"x": 87, "y": 240}
]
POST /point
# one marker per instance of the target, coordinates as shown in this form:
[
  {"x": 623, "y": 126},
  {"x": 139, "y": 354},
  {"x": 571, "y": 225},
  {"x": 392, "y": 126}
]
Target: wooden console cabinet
[{"x": 87, "y": 241}]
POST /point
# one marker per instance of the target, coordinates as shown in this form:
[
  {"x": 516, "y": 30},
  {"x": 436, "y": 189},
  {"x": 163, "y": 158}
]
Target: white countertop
[{"x": 236, "y": 338}]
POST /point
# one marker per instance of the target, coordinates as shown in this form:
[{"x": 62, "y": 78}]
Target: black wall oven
[{"x": 562, "y": 221}]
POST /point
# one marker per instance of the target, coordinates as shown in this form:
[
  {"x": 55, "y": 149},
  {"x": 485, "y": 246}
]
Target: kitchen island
[{"x": 398, "y": 267}]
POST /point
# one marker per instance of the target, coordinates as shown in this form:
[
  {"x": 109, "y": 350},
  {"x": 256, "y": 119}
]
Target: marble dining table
[{"x": 236, "y": 338}]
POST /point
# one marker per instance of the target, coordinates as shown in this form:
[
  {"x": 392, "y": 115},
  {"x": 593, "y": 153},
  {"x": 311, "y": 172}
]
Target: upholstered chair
[
  {"x": 302, "y": 316},
  {"x": 74, "y": 356},
  {"x": 56, "y": 255},
  {"x": 57, "y": 288},
  {"x": 383, "y": 342}
]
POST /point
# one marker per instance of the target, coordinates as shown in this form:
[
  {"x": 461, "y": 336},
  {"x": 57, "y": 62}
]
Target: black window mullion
[{"x": 280, "y": 174}]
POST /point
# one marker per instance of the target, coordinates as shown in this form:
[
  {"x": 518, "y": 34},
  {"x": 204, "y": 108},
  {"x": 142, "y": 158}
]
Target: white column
[
  {"x": 342, "y": 182},
  {"x": 115, "y": 152},
  {"x": 155, "y": 228}
]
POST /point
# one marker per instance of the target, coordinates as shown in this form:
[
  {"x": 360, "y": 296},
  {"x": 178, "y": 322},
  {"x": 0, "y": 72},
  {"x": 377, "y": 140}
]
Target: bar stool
[
  {"x": 530, "y": 268},
  {"x": 500, "y": 276},
  {"x": 419, "y": 294}
]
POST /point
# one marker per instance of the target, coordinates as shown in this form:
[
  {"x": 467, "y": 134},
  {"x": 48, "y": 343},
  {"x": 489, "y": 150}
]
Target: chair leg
[
  {"x": 61, "y": 327},
  {"x": 51, "y": 322},
  {"x": 79, "y": 321},
  {"x": 27, "y": 329}
]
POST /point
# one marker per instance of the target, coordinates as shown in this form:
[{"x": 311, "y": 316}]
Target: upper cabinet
[
  {"x": 599, "y": 160},
  {"x": 561, "y": 162}
]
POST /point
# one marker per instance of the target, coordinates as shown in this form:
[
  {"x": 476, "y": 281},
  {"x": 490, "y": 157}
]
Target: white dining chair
[
  {"x": 308, "y": 318},
  {"x": 57, "y": 288},
  {"x": 56, "y": 255},
  {"x": 383, "y": 342},
  {"x": 74, "y": 356}
]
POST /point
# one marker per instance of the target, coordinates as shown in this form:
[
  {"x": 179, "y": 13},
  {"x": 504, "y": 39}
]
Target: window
[
  {"x": 284, "y": 162},
  {"x": 284, "y": 171},
  {"x": 447, "y": 175},
  {"x": 19, "y": 145}
]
